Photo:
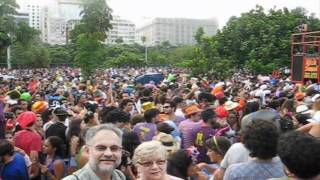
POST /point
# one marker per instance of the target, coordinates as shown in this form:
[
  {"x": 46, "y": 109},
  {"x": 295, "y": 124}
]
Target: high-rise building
[
  {"x": 122, "y": 29},
  {"x": 34, "y": 16},
  {"x": 53, "y": 28},
  {"x": 21, "y": 17},
  {"x": 177, "y": 31},
  {"x": 70, "y": 9},
  {"x": 45, "y": 24}
]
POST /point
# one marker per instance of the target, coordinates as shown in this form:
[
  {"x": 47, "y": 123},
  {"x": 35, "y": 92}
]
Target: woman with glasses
[{"x": 151, "y": 161}]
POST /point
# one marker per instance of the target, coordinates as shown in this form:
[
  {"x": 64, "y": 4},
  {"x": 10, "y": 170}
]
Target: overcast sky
[{"x": 139, "y": 11}]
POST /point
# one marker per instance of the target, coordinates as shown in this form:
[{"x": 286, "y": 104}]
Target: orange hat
[
  {"x": 26, "y": 118},
  {"x": 39, "y": 107},
  {"x": 299, "y": 96},
  {"x": 217, "y": 90},
  {"x": 242, "y": 104},
  {"x": 192, "y": 109}
]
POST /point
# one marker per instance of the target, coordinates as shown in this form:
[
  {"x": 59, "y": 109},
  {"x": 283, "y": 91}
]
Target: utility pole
[
  {"x": 9, "y": 55},
  {"x": 144, "y": 41},
  {"x": 146, "y": 53}
]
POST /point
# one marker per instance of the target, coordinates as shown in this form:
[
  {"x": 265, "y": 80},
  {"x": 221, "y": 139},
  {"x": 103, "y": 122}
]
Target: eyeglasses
[
  {"x": 166, "y": 107},
  {"x": 102, "y": 148},
  {"x": 150, "y": 163}
]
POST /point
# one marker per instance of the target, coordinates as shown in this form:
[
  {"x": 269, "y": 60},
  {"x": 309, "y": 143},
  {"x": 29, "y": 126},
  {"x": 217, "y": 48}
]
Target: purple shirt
[
  {"x": 199, "y": 134},
  {"x": 185, "y": 127},
  {"x": 178, "y": 120},
  {"x": 145, "y": 131},
  {"x": 2, "y": 121}
]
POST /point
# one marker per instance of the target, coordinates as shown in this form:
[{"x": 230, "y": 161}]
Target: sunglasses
[{"x": 166, "y": 107}]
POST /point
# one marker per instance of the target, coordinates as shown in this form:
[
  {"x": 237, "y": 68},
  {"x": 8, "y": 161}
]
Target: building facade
[
  {"x": 122, "y": 30},
  {"x": 70, "y": 9},
  {"x": 21, "y": 17},
  {"x": 176, "y": 31},
  {"x": 33, "y": 11}
]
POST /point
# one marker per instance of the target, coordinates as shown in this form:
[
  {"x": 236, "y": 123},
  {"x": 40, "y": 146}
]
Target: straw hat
[{"x": 229, "y": 105}]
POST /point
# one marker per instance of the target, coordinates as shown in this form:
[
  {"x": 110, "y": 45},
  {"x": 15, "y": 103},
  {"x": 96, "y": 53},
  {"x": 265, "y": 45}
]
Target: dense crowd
[{"x": 54, "y": 124}]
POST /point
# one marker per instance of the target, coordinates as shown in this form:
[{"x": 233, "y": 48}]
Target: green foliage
[
  {"x": 27, "y": 50},
  {"x": 159, "y": 55},
  {"x": 122, "y": 55},
  {"x": 261, "y": 41},
  {"x": 34, "y": 56},
  {"x": 7, "y": 8},
  {"x": 89, "y": 35},
  {"x": 96, "y": 17},
  {"x": 78, "y": 29},
  {"x": 256, "y": 40},
  {"x": 25, "y": 34},
  {"x": 126, "y": 59},
  {"x": 119, "y": 40},
  {"x": 199, "y": 35},
  {"x": 61, "y": 54},
  {"x": 90, "y": 54},
  {"x": 178, "y": 56}
]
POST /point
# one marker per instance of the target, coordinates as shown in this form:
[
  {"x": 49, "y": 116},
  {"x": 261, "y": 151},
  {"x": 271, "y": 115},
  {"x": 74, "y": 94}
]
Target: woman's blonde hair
[{"x": 148, "y": 149}]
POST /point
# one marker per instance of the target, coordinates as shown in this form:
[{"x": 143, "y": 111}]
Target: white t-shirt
[
  {"x": 237, "y": 153},
  {"x": 316, "y": 116}
]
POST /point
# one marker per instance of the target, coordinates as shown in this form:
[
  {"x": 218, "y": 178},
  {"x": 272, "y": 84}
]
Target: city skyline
[{"x": 141, "y": 11}]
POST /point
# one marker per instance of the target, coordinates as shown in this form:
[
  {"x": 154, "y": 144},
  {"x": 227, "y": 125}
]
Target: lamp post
[
  {"x": 144, "y": 39},
  {"x": 146, "y": 53},
  {"x": 9, "y": 55}
]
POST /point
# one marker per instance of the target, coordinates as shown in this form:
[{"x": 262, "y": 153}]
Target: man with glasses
[
  {"x": 103, "y": 145},
  {"x": 169, "y": 108}
]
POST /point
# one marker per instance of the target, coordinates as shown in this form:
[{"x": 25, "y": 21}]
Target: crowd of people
[{"x": 54, "y": 124}]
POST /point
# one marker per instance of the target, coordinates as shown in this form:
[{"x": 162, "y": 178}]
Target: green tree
[
  {"x": 61, "y": 54},
  {"x": 90, "y": 54},
  {"x": 260, "y": 41},
  {"x": 119, "y": 40},
  {"x": 7, "y": 25},
  {"x": 35, "y": 56},
  {"x": 178, "y": 55},
  {"x": 199, "y": 34},
  {"x": 123, "y": 55},
  {"x": 25, "y": 34},
  {"x": 90, "y": 34}
]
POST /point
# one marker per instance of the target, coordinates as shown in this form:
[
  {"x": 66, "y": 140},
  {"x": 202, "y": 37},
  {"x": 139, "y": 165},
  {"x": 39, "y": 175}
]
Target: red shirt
[{"x": 28, "y": 141}]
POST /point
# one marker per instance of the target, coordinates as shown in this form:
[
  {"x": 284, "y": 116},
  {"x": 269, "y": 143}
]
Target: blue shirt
[
  {"x": 255, "y": 170},
  {"x": 16, "y": 169}
]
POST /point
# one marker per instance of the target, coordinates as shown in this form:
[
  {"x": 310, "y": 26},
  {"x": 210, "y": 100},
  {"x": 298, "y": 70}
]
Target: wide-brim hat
[
  {"x": 192, "y": 110},
  {"x": 167, "y": 141},
  {"x": 302, "y": 109},
  {"x": 229, "y": 105}
]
